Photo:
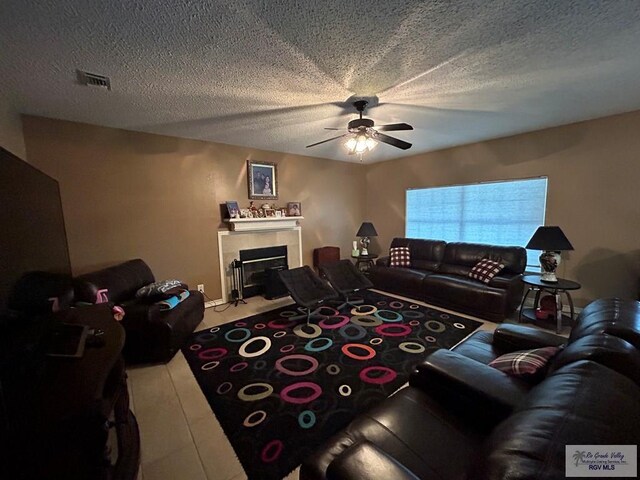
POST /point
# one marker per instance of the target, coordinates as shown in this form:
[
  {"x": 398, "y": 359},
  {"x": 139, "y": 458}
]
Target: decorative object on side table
[
  {"x": 552, "y": 241},
  {"x": 294, "y": 209},
  {"x": 365, "y": 231},
  {"x": 262, "y": 180},
  {"x": 355, "y": 252}
]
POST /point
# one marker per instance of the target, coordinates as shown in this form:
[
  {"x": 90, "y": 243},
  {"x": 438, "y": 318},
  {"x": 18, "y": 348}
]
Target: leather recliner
[
  {"x": 153, "y": 334},
  {"x": 462, "y": 419}
]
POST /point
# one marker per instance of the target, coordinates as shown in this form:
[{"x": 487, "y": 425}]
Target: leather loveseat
[
  {"x": 153, "y": 333},
  {"x": 460, "y": 418},
  {"x": 439, "y": 275}
]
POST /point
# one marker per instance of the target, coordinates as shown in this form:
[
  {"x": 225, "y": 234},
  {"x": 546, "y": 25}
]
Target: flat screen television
[
  {"x": 33, "y": 236},
  {"x": 32, "y": 239}
]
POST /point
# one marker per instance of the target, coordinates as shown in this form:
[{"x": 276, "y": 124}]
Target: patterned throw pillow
[
  {"x": 485, "y": 270},
  {"x": 158, "y": 288},
  {"x": 400, "y": 257},
  {"x": 524, "y": 363}
]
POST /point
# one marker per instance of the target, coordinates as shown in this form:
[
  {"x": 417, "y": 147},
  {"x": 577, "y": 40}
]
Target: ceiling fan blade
[
  {"x": 327, "y": 128},
  {"x": 396, "y": 142},
  {"x": 394, "y": 126},
  {"x": 328, "y": 140}
]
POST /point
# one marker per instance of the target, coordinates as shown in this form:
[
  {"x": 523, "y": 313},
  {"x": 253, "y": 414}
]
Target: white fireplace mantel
[{"x": 266, "y": 223}]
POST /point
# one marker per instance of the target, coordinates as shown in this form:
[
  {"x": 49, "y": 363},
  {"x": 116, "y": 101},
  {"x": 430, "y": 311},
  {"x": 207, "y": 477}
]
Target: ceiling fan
[{"x": 362, "y": 136}]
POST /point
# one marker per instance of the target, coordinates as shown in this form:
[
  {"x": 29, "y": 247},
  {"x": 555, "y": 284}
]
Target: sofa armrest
[
  {"x": 365, "y": 461},
  {"x": 469, "y": 386},
  {"x": 383, "y": 261},
  {"x": 511, "y": 338}
]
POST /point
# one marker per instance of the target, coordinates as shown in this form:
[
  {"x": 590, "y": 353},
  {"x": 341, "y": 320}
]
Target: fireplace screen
[{"x": 254, "y": 264}]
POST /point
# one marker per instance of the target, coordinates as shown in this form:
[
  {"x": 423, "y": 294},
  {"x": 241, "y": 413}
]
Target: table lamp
[
  {"x": 551, "y": 240},
  {"x": 365, "y": 231}
]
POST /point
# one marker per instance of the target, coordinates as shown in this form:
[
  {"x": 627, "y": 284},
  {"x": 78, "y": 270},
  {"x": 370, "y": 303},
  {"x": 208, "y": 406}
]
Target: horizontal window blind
[{"x": 498, "y": 213}]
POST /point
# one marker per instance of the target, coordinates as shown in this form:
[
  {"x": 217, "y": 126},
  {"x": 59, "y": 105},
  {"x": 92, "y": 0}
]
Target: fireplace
[
  {"x": 254, "y": 264},
  {"x": 230, "y": 243}
]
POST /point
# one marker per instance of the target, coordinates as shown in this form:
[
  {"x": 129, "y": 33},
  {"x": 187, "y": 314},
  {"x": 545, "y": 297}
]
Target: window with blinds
[{"x": 499, "y": 213}]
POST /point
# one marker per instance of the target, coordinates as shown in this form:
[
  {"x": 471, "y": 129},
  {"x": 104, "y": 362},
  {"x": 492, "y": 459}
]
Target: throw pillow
[
  {"x": 524, "y": 363},
  {"x": 485, "y": 270},
  {"x": 157, "y": 288},
  {"x": 400, "y": 257}
]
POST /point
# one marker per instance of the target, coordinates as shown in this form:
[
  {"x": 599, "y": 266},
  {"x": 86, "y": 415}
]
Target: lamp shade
[
  {"x": 549, "y": 239},
  {"x": 367, "y": 230}
]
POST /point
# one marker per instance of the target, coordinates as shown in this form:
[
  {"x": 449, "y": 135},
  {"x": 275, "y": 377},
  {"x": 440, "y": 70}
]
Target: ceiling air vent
[{"x": 93, "y": 80}]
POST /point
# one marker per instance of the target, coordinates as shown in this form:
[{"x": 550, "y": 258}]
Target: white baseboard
[{"x": 213, "y": 303}]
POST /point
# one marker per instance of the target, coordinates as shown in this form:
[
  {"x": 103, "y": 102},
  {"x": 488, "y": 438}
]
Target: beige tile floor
[{"x": 180, "y": 436}]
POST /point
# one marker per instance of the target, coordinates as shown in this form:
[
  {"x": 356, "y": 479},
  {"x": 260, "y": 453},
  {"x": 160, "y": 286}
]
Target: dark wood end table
[
  {"x": 364, "y": 262},
  {"x": 562, "y": 286}
]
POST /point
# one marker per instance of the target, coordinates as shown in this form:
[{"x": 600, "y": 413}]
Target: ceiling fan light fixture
[
  {"x": 362, "y": 136},
  {"x": 360, "y": 143},
  {"x": 371, "y": 143}
]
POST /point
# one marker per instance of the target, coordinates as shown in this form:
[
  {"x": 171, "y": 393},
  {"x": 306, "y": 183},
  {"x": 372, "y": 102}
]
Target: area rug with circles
[{"x": 280, "y": 387}]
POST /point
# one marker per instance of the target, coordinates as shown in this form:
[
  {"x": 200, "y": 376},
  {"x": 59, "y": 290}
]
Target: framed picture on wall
[{"x": 262, "y": 180}]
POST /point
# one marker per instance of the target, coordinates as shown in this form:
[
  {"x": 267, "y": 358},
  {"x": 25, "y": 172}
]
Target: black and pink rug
[{"x": 279, "y": 388}]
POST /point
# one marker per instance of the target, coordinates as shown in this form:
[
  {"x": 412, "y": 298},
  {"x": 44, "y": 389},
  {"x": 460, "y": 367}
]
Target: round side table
[
  {"x": 557, "y": 289},
  {"x": 364, "y": 262}
]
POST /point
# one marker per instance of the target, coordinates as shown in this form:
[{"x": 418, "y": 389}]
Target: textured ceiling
[{"x": 272, "y": 74}]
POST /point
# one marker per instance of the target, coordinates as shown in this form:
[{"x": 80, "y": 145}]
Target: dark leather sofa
[
  {"x": 462, "y": 419},
  {"x": 439, "y": 275},
  {"x": 152, "y": 334}
]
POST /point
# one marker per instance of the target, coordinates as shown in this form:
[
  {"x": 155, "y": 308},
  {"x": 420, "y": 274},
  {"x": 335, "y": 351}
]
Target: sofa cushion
[
  {"x": 617, "y": 317},
  {"x": 425, "y": 254},
  {"x": 583, "y": 403},
  {"x": 399, "y": 257},
  {"x": 410, "y": 427},
  {"x": 154, "y": 334},
  {"x": 405, "y": 281},
  {"x": 525, "y": 363},
  {"x": 116, "y": 283},
  {"x": 464, "y": 294},
  {"x": 479, "y": 346},
  {"x": 608, "y": 350},
  {"x": 485, "y": 270},
  {"x": 459, "y": 258}
]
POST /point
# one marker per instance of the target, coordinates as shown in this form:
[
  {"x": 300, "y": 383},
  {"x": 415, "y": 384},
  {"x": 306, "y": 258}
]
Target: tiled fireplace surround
[{"x": 230, "y": 243}]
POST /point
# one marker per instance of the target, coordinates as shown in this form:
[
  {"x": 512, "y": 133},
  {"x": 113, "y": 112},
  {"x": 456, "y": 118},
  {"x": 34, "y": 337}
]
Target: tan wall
[
  {"x": 593, "y": 193},
  {"x": 127, "y": 194},
  {"x": 11, "y": 137}
]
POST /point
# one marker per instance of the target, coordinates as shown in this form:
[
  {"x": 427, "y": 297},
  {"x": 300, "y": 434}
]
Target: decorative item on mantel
[
  {"x": 552, "y": 241},
  {"x": 365, "y": 231},
  {"x": 233, "y": 209},
  {"x": 294, "y": 209},
  {"x": 263, "y": 219}
]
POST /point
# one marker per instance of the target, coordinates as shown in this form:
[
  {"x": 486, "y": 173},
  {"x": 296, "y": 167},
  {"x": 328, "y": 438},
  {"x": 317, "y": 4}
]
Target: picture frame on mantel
[
  {"x": 262, "y": 179},
  {"x": 294, "y": 209}
]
